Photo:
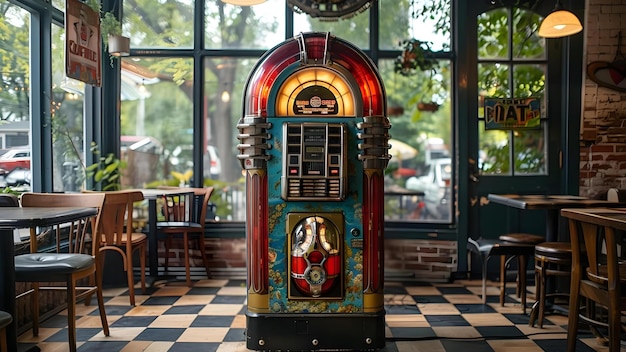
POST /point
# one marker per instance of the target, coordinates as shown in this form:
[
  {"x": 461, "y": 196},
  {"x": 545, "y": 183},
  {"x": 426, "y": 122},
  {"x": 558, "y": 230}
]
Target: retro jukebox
[{"x": 314, "y": 146}]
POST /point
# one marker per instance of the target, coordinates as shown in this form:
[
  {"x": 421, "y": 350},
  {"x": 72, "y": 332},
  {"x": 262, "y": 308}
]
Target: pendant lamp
[
  {"x": 243, "y": 2},
  {"x": 559, "y": 23}
]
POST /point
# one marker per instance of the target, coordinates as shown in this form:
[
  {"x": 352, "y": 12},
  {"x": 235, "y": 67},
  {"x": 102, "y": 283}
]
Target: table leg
[
  {"x": 552, "y": 225},
  {"x": 153, "y": 248},
  {"x": 7, "y": 277}
]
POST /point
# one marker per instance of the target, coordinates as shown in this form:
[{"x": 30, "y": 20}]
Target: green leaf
[{"x": 99, "y": 176}]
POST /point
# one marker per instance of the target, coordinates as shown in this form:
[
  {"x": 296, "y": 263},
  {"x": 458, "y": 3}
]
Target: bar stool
[
  {"x": 552, "y": 259},
  {"x": 5, "y": 320},
  {"x": 508, "y": 247}
]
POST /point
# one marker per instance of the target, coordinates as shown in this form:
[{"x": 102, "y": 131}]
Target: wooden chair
[
  {"x": 9, "y": 200},
  {"x": 601, "y": 280},
  {"x": 119, "y": 236},
  {"x": 185, "y": 216},
  {"x": 67, "y": 265}
]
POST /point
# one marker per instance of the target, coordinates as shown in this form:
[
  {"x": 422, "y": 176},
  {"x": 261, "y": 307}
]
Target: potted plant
[
  {"x": 418, "y": 56},
  {"x": 111, "y": 32}
]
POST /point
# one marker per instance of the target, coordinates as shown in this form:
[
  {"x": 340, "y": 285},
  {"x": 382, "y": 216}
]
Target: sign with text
[
  {"x": 82, "y": 43},
  {"x": 512, "y": 113}
]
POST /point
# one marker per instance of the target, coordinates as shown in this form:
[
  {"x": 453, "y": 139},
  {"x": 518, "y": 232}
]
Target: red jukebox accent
[
  {"x": 373, "y": 219},
  {"x": 318, "y": 47},
  {"x": 256, "y": 192},
  {"x": 316, "y": 254}
]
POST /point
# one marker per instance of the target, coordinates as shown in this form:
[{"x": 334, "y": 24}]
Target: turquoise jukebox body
[{"x": 314, "y": 146}]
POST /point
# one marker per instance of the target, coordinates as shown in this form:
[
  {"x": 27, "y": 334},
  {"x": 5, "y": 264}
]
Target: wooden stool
[
  {"x": 551, "y": 259},
  {"x": 523, "y": 239},
  {"x": 5, "y": 320},
  {"x": 520, "y": 245}
]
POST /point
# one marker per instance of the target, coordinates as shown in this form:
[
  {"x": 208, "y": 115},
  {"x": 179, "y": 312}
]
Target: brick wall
[
  {"x": 603, "y": 128},
  {"x": 428, "y": 260}
]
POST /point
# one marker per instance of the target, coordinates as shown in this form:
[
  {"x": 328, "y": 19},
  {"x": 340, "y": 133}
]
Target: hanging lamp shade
[
  {"x": 243, "y": 2},
  {"x": 559, "y": 23}
]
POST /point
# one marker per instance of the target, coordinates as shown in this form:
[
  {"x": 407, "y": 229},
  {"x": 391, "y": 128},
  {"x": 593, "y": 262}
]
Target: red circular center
[{"x": 316, "y": 257}]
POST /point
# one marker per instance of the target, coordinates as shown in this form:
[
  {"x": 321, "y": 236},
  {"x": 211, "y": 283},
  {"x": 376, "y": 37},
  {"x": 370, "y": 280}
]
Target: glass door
[{"x": 513, "y": 137}]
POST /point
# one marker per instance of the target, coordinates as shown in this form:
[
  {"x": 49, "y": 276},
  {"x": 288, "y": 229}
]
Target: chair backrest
[
  {"x": 596, "y": 248},
  {"x": 80, "y": 232},
  {"x": 616, "y": 195},
  {"x": 117, "y": 217},
  {"x": 9, "y": 200},
  {"x": 190, "y": 205}
]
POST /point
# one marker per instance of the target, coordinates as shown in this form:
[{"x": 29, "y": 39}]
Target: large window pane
[
  {"x": 159, "y": 24},
  {"x": 493, "y": 38},
  {"x": 350, "y": 29},
  {"x": 14, "y": 97},
  {"x": 224, "y": 84},
  {"x": 526, "y": 43},
  {"x": 419, "y": 180},
  {"x": 425, "y": 20},
  {"x": 156, "y": 121},
  {"x": 248, "y": 27}
]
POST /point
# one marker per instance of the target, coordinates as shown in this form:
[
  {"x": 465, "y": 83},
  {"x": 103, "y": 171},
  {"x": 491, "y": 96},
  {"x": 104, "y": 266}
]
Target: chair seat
[
  {"x": 136, "y": 237},
  {"x": 555, "y": 252},
  {"x": 491, "y": 247},
  {"x": 522, "y": 238},
  {"x": 50, "y": 266},
  {"x": 602, "y": 277},
  {"x": 5, "y": 319}
]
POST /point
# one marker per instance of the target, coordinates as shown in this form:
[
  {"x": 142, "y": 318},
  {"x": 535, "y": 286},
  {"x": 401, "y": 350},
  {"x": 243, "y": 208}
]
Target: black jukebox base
[{"x": 310, "y": 332}]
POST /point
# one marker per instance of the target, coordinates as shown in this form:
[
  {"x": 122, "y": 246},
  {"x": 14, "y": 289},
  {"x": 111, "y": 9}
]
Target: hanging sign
[
  {"x": 82, "y": 43},
  {"x": 512, "y": 113}
]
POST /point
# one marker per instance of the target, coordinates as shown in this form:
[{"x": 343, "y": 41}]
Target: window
[{"x": 512, "y": 64}]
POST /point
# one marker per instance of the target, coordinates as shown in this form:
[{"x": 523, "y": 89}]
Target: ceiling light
[
  {"x": 243, "y": 2},
  {"x": 559, "y": 23}
]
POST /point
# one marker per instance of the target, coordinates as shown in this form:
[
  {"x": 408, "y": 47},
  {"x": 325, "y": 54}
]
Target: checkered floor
[{"x": 210, "y": 316}]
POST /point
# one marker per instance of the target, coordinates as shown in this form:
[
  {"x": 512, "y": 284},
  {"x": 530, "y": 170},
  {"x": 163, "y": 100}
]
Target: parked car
[
  {"x": 436, "y": 184},
  {"x": 181, "y": 160},
  {"x": 18, "y": 177},
  {"x": 18, "y": 157}
]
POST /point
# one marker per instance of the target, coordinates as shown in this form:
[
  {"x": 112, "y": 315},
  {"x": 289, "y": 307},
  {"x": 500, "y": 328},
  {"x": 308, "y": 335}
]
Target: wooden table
[
  {"x": 552, "y": 204},
  {"x": 12, "y": 218}
]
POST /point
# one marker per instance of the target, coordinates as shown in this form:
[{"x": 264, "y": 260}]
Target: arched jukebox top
[
  {"x": 314, "y": 60},
  {"x": 314, "y": 75}
]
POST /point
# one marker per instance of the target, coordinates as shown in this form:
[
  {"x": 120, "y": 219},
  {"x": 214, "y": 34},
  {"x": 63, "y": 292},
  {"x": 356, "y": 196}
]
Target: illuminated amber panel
[{"x": 315, "y": 77}]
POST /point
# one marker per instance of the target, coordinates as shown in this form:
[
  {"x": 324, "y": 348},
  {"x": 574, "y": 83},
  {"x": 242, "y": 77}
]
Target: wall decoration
[
  {"x": 82, "y": 47},
  {"x": 512, "y": 113},
  {"x": 610, "y": 75}
]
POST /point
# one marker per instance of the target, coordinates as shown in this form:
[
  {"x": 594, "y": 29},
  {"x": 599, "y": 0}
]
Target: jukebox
[{"x": 314, "y": 146}]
